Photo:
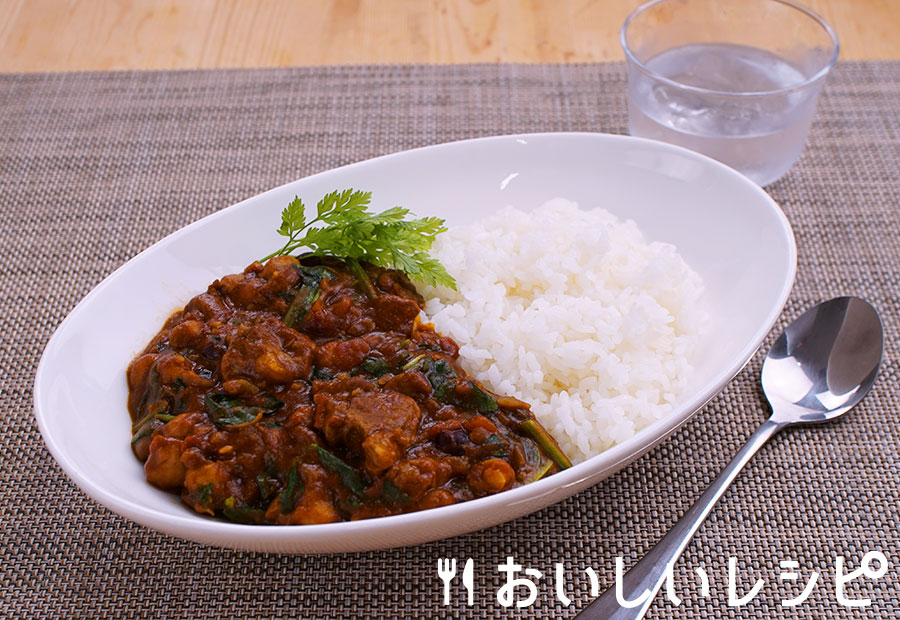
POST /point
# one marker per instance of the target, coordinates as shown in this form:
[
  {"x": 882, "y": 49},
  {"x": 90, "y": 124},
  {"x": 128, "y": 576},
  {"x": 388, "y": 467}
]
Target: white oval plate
[{"x": 724, "y": 226}]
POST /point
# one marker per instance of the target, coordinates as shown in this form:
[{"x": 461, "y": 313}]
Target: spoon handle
[{"x": 647, "y": 576}]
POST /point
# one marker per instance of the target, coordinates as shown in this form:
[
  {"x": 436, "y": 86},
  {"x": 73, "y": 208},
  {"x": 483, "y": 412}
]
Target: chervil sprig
[{"x": 347, "y": 230}]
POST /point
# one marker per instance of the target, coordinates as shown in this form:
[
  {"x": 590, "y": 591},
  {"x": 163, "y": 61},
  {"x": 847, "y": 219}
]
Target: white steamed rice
[{"x": 574, "y": 312}]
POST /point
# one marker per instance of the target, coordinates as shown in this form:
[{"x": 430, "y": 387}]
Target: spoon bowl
[{"x": 824, "y": 362}]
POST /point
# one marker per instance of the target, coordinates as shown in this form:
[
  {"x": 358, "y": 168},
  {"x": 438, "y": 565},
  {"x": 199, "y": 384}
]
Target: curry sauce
[{"x": 308, "y": 391}]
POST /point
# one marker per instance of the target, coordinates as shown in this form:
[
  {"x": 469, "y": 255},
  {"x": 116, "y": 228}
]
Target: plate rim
[{"x": 196, "y": 527}]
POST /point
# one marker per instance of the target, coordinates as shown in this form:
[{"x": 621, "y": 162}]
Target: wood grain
[{"x": 58, "y": 35}]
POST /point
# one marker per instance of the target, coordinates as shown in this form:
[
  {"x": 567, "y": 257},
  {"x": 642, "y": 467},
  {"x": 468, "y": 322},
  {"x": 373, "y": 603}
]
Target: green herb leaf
[
  {"x": 270, "y": 403},
  {"x": 480, "y": 400},
  {"x": 144, "y": 433},
  {"x": 292, "y": 217},
  {"x": 303, "y": 301},
  {"x": 307, "y": 294},
  {"x": 533, "y": 455},
  {"x": 310, "y": 276},
  {"x": 225, "y": 410},
  {"x": 320, "y": 375},
  {"x": 372, "y": 365},
  {"x": 203, "y": 494},
  {"x": 347, "y": 203},
  {"x": 293, "y": 489},
  {"x": 496, "y": 444},
  {"x": 392, "y": 495},
  {"x": 415, "y": 362},
  {"x": 242, "y": 514},
  {"x": 441, "y": 377},
  {"x": 266, "y": 486},
  {"x": 349, "y": 503},
  {"x": 137, "y": 425},
  {"x": 348, "y": 231},
  {"x": 533, "y": 429},
  {"x": 349, "y": 476},
  {"x": 541, "y": 471}
]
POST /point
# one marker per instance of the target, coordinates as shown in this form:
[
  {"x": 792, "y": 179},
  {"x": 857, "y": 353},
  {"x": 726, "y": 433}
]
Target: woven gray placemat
[{"x": 96, "y": 167}]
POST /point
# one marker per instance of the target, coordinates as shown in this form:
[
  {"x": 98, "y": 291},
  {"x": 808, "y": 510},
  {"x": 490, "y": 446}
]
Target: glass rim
[{"x": 819, "y": 75}]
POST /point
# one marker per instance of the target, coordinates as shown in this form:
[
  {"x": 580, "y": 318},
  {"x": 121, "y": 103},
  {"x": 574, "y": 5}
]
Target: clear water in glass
[{"x": 738, "y": 106}]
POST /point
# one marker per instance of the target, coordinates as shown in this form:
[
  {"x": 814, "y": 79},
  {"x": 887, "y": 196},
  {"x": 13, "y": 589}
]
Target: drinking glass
[{"x": 733, "y": 79}]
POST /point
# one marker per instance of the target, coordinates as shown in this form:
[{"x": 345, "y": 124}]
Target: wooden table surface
[{"x": 74, "y": 35}]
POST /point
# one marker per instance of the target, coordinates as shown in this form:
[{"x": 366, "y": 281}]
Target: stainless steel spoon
[{"x": 819, "y": 368}]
